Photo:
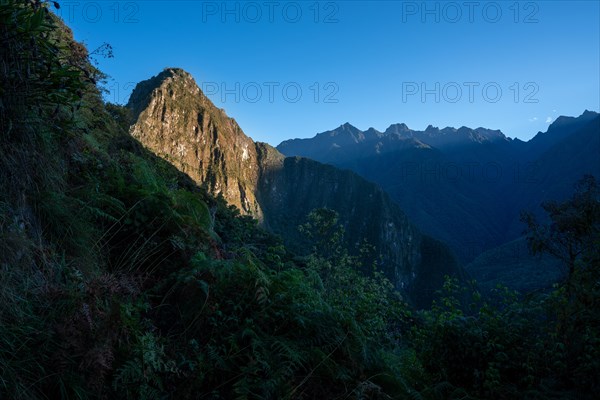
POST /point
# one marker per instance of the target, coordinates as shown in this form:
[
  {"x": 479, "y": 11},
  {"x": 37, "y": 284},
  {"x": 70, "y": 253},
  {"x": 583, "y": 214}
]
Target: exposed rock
[{"x": 175, "y": 120}]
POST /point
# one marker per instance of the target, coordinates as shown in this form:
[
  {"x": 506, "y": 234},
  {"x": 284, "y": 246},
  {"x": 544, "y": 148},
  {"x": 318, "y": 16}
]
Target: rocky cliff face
[{"x": 174, "y": 119}]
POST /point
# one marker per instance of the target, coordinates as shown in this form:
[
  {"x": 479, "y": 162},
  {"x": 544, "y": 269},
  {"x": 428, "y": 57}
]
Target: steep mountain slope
[
  {"x": 180, "y": 124},
  {"x": 176, "y": 121},
  {"x": 562, "y": 128},
  {"x": 464, "y": 186},
  {"x": 441, "y": 194},
  {"x": 562, "y": 156}
]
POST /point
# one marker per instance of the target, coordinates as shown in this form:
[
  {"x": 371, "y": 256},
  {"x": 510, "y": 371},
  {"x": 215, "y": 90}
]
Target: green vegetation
[
  {"x": 513, "y": 264},
  {"x": 122, "y": 279}
]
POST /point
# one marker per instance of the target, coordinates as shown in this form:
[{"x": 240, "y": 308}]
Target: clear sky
[{"x": 293, "y": 69}]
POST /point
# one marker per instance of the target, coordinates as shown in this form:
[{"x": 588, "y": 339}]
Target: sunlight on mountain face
[{"x": 150, "y": 248}]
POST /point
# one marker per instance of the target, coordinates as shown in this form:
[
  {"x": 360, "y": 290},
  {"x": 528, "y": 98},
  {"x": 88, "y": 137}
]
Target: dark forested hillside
[{"x": 122, "y": 278}]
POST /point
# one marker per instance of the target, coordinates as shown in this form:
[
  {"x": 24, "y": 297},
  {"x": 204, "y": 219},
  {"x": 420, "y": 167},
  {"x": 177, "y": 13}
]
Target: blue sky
[{"x": 286, "y": 69}]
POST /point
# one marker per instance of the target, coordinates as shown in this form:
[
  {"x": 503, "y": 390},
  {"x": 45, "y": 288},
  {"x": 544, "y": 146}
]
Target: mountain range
[
  {"x": 466, "y": 187},
  {"x": 175, "y": 120}
]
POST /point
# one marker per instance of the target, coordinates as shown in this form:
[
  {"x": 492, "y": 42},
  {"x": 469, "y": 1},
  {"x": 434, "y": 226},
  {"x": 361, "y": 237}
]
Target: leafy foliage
[
  {"x": 574, "y": 230},
  {"x": 543, "y": 345}
]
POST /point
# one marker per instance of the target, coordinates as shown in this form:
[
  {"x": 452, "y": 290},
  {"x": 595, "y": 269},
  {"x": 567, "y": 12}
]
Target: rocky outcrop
[{"x": 175, "y": 120}]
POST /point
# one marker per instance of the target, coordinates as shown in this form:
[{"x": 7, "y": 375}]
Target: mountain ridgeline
[
  {"x": 176, "y": 121},
  {"x": 466, "y": 186}
]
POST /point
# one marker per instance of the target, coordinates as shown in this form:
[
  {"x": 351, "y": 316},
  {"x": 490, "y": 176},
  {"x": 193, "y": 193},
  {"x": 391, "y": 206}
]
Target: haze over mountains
[
  {"x": 464, "y": 186},
  {"x": 175, "y": 120}
]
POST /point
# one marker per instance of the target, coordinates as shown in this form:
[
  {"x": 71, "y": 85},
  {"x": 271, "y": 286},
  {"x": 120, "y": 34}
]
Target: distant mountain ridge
[
  {"x": 562, "y": 128},
  {"x": 465, "y": 186},
  {"x": 347, "y": 141},
  {"x": 347, "y": 135},
  {"x": 175, "y": 120}
]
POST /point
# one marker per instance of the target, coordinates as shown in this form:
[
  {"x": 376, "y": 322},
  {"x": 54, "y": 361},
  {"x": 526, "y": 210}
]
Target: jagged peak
[
  {"x": 344, "y": 129},
  {"x": 447, "y": 130},
  {"x": 397, "y": 128},
  {"x": 589, "y": 114},
  {"x": 176, "y": 71},
  {"x": 562, "y": 127},
  {"x": 349, "y": 127},
  {"x": 143, "y": 91},
  {"x": 167, "y": 75},
  {"x": 491, "y": 133},
  {"x": 372, "y": 133},
  {"x": 174, "y": 74}
]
